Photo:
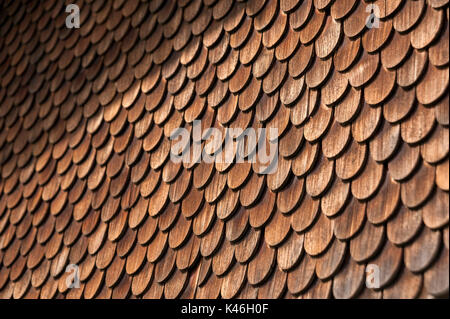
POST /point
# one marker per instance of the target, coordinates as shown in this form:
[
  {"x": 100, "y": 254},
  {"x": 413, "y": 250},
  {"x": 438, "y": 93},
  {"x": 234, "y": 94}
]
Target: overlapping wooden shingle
[{"x": 360, "y": 102}]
